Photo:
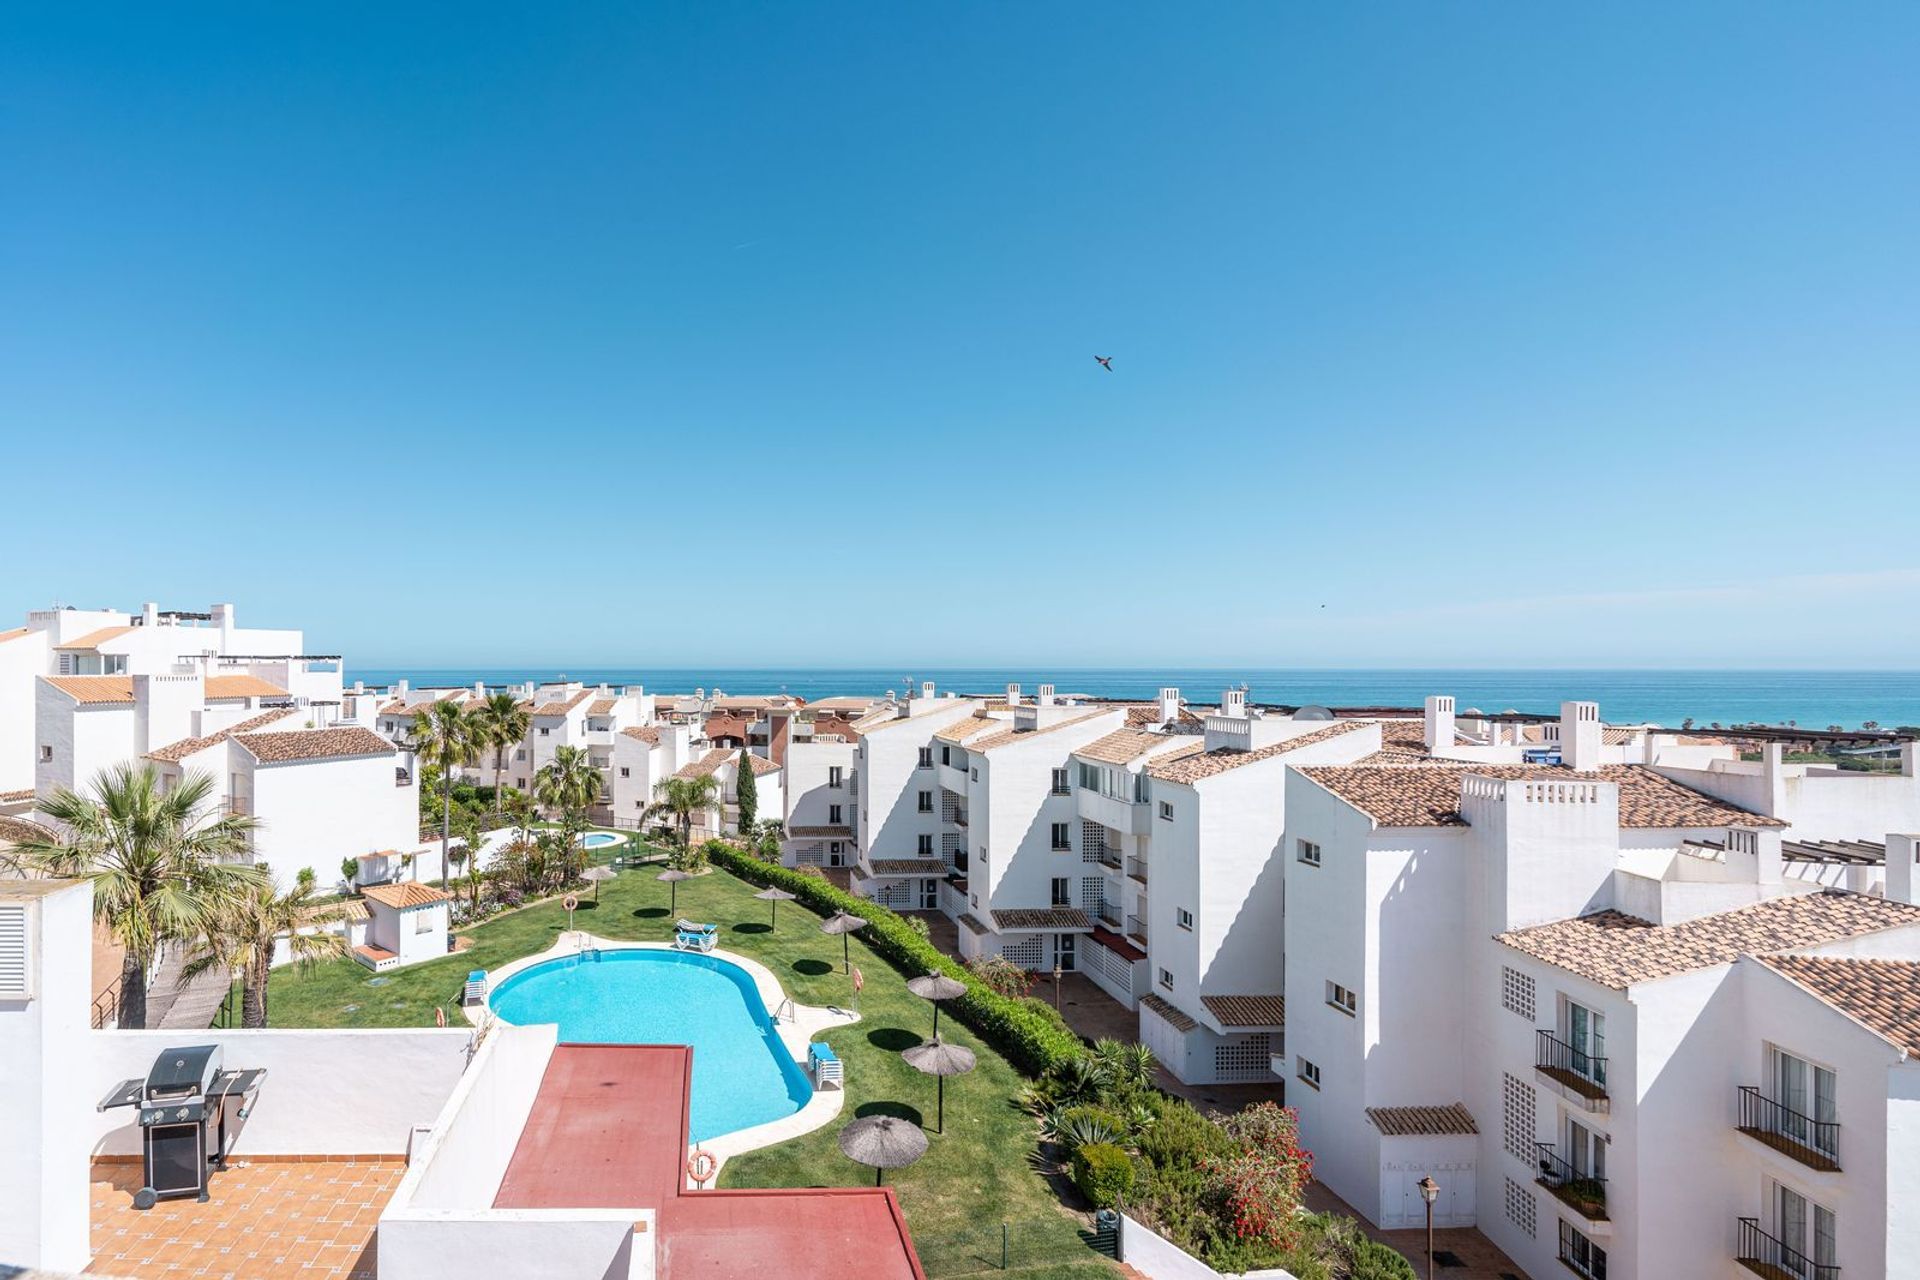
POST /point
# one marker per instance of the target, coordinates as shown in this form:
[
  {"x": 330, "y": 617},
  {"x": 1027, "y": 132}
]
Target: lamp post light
[
  {"x": 1429, "y": 1192},
  {"x": 1056, "y": 986}
]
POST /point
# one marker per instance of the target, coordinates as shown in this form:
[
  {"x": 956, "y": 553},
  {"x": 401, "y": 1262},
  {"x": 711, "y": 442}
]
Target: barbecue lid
[{"x": 188, "y": 1067}]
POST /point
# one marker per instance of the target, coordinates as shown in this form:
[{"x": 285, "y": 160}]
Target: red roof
[{"x": 608, "y": 1130}]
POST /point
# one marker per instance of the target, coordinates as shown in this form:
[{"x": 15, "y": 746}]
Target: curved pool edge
[{"x": 808, "y": 1021}]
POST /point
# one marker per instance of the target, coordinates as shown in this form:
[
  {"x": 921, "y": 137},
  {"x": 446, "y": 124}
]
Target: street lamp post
[
  {"x": 1056, "y": 986},
  {"x": 1429, "y": 1192}
]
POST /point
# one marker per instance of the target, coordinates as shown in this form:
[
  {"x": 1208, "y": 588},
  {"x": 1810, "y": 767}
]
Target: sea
[{"x": 1807, "y": 699}]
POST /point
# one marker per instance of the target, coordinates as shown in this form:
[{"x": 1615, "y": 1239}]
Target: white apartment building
[
  {"x": 1591, "y": 1003},
  {"x": 643, "y": 755},
  {"x": 154, "y": 641},
  {"x": 822, "y": 785}
]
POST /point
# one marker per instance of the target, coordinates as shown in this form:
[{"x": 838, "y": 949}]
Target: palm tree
[
  {"x": 570, "y": 782},
  {"x": 445, "y": 736},
  {"x": 504, "y": 722},
  {"x": 158, "y": 871},
  {"x": 243, "y": 937},
  {"x": 471, "y": 834},
  {"x": 683, "y": 799}
]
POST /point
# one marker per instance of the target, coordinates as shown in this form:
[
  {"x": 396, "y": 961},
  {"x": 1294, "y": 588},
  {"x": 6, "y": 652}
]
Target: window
[
  {"x": 1585, "y": 1032},
  {"x": 926, "y": 757},
  {"x": 1166, "y": 811},
  {"x": 973, "y": 900},
  {"x": 925, "y": 848},
  {"x": 1166, "y": 979},
  {"x": 423, "y": 922},
  {"x": 946, "y": 755},
  {"x": 625, "y": 772},
  {"x": 46, "y": 754},
  {"x": 1521, "y": 1109},
  {"x": 544, "y": 731},
  {"x": 1807, "y": 1229},
  {"x": 1062, "y": 895},
  {"x": 639, "y": 804},
  {"x": 1582, "y": 1255},
  {"x": 1062, "y": 839},
  {"x": 1586, "y": 1151},
  {"x": 834, "y": 847},
  {"x": 1309, "y": 853},
  {"x": 1805, "y": 1092},
  {"x": 1060, "y": 787},
  {"x": 1183, "y": 918},
  {"x": 1516, "y": 992},
  {"x": 836, "y": 776},
  {"x": 1342, "y": 999},
  {"x": 1089, "y": 776},
  {"x": 1522, "y": 1210},
  {"x": 974, "y": 773},
  {"x": 834, "y": 815},
  {"x": 926, "y": 802},
  {"x": 1309, "y": 1073},
  {"x": 520, "y": 753}
]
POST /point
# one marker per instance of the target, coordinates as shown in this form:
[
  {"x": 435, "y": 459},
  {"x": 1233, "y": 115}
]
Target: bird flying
[{"x": 1106, "y": 362}]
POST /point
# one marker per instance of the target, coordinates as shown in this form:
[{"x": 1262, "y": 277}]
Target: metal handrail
[
  {"x": 1584, "y": 1190},
  {"x": 106, "y": 1005},
  {"x": 1555, "y": 1054},
  {"x": 1758, "y": 1250},
  {"x": 1763, "y": 1114}
]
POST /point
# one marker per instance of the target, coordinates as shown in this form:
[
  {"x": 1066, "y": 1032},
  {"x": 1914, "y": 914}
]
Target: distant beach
[{"x": 1812, "y": 699}]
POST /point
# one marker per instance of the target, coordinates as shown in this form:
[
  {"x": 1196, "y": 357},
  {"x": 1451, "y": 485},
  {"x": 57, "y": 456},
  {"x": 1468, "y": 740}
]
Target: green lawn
[{"x": 979, "y": 1173}]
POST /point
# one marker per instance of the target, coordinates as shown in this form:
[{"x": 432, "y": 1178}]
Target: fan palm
[
  {"x": 504, "y": 723},
  {"x": 159, "y": 872},
  {"x": 447, "y": 737},
  {"x": 243, "y": 935},
  {"x": 683, "y": 799},
  {"x": 570, "y": 783}
]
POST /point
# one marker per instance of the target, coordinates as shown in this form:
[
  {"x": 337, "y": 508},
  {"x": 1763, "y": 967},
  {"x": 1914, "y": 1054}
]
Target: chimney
[
  {"x": 1900, "y": 855},
  {"x": 1909, "y": 758},
  {"x": 1169, "y": 705},
  {"x": 479, "y": 688},
  {"x": 359, "y": 686},
  {"x": 150, "y": 613},
  {"x": 1234, "y": 703},
  {"x": 1580, "y": 735},
  {"x": 1013, "y": 695},
  {"x": 926, "y": 689},
  {"x": 399, "y": 688},
  {"x": 1046, "y": 695},
  {"x": 1439, "y": 721}
]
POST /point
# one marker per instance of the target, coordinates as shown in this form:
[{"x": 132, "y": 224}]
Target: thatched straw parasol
[
  {"x": 776, "y": 897},
  {"x": 843, "y": 924},
  {"x": 934, "y": 988},
  {"x": 883, "y": 1142},
  {"x": 598, "y": 874},
  {"x": 939, "y": 1059},
  {"x": 673, "y": 876}
]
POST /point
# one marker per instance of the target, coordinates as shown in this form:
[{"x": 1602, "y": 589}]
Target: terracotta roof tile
[
  {"x": 373, "y": 953},
  {"x": 971, "y": 727},
  {"x": 20, "y": 830},
  {"x": 1041, "y": 918},
  {"x": 13, "y": 634},
  {"x": 174, "y": 752},
  {"x": 762, "y": 766},
  {"x": 1124, "y": 746},
  {"x": 1432, "y": 1122},
  {"x": 1168, "y": 1013},
  {"x": 821, "y": 833},
  {"x": 1618, "y": 950},
  {"x": 706, "y": 764},
  {"x": 92, "y": 640},
  {"x": 25, "y": 793},
  {"x": 1206, "y": 764},
  {"x": 646, "y": 733},
  {"x": 907, "y": 866},
  {"x": 1011, "y": 735},
  {"x": 972, "y": 923},
  {"x": 1247, "y": 1011},
  {"x": 314, "y": 744},
  {"x": 1882, "y": 995},
  {"x": 404, "y": 894},
  {"x": 1428, "y": 795},
  {"x": 602, "y": 706},
  {"x": 243, "y": 686},
  {"x": 563, "y": 706},
  {"x": 92, "y": 690},
  {"x": 1185, "y": 722}
]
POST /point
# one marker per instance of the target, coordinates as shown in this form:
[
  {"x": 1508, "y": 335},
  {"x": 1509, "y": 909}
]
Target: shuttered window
[{"x": 15, "y": 964}]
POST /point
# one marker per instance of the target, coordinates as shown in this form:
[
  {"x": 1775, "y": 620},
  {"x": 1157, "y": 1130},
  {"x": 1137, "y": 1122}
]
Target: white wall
[
  {"x": 1158, "y": 1258},
  {"x": 476, "y": 1132},
  {"x": 577, "y": 1244},
  {"x": 312, "y": 813},
  {"x": 21, "y": 659}
]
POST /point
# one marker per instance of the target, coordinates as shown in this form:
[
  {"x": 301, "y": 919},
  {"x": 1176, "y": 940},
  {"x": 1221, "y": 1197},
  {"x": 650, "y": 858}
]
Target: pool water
[
  {"x": 598, "y": 839},
  {"x": 742, "y": 1074}
]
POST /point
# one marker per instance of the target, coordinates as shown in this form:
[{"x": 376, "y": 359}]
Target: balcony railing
[
  {"x": 1110, "y": 917},
  {"x": 1137, "y": 869},
  {"x": 1137, "y": 928},
  {"x": 1582, "y": 1192},
  {"x": 1814, "y": 1143},
  {"x": 1109, "y": 858},
  {"x": 1763, "y": 1255},
  {"x": 1580, "y": 1255},
  {"x": 1581, "y": 1072}
]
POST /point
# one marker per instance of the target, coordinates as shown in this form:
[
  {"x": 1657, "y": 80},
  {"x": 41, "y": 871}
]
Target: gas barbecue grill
[{"x": 184, "y": 1094}]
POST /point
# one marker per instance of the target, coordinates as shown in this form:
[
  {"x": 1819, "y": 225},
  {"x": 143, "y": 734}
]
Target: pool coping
[{"x": 795, "y": 1035}]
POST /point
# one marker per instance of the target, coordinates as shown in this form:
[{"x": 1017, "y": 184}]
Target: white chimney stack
[
  {"x": 150, "y": 613},
  {"x": 1900, "y": 854},
  {"x": 1439, "y": 722},
  {"x": 926, "y": 689},
  {"x": 399, "y": 688},
  {"x": 1013, "y": 695},
  {"x": 1046, "y": 695},
  {"x": 1580, "y": 735},
  {"x": 1234, "y": 703},
  {"x": 1169, "y": 705}
]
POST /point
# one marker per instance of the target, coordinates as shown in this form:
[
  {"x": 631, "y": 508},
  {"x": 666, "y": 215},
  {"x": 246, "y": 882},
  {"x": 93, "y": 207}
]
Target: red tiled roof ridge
[{"x": 1198, "y": 766}]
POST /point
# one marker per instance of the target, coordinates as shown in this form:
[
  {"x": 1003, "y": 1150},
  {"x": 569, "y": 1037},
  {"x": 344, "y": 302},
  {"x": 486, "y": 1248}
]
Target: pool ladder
[{"x": 786, "y": 1008}]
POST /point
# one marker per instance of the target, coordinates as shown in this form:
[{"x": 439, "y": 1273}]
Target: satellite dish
[{"x": 1313, "y": 713}]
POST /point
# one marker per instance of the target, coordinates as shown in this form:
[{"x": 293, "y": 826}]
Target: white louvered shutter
[{"x": 15, "y": 964}]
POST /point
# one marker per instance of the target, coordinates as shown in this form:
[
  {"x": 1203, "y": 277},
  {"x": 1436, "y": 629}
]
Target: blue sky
[{"x": 730, "y": 333}]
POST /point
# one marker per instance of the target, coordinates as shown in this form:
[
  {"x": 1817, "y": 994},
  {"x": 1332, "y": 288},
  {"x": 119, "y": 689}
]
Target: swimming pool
[
  {"x": 742, "y": 1074},
  {"x": 600, "y": 839}
]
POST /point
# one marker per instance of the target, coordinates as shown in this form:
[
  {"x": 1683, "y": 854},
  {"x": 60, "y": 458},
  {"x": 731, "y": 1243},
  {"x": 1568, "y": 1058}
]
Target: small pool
[
  {"x": 742, "y": 1074},
  {"x": 600, "y": 839}
]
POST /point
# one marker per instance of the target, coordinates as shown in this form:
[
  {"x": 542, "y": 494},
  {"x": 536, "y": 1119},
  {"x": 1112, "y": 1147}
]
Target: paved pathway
[
  {"x": 1476, "y": 1257},
  {"x": 188, "y": 1008}
]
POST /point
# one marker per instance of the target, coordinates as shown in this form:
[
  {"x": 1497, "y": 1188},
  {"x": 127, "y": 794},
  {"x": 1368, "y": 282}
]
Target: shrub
[
  {"x": 918, "y": 925},
  {"x": 1076, "y": 1127},
  {"x": 1001, "y": 976},
  {"x": 1103, "y": 1173},
  {"x": 1371, "y": 1260}
]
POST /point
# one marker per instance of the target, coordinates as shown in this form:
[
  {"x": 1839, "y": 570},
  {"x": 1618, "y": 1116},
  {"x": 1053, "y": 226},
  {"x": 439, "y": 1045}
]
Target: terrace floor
[{"x": 269, "y": 1220}]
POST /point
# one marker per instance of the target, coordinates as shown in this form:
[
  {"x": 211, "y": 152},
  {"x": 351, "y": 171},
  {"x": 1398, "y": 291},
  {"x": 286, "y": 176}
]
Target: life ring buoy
[
  {"x": 572, "y": 903},
  {"x": 701, "y": 1166}
]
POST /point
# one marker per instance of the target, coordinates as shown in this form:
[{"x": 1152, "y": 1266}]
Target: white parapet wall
[
  {"x": 327, "y": 1092},
  {"x": 1158, "y": 1258},
  {"x": 461, "y": 1165}
]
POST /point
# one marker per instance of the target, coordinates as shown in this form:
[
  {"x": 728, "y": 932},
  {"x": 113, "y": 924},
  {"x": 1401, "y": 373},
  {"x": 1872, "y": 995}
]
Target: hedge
[
  {"x": 1032, "y": 1036},
  {"x": 1103, "y": 1173}
]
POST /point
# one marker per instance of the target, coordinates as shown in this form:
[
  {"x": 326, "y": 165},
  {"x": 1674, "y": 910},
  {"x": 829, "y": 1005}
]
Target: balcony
[
  {"x": 1109, "y": 858},
  {"x": 1814, "y": 1143},
  {"x": 1582, "y": 1192},
  {"x": 1578, "y": 1075},
  {"x": 1765, "y": 1256},
  {"x": 239, "y": 806},
  {"x": 1137, "y": 869},
  {"x": 1580, "y": 1255},
  {"x": 1137, "y": 929},
  {"x": 1110, "y": 917}
]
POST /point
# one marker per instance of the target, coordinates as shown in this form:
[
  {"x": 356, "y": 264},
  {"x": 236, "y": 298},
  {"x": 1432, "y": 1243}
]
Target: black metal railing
[
  {"x": 1583, "y": 1192},
  {"x": 1812, "y": 1142},
  {"x": 1765, "y": 1255},
  {"x": 1570, "y": 1065},
  {"x": 1581, "y": 1255},
  {"x": 106, "y": 1006}
]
